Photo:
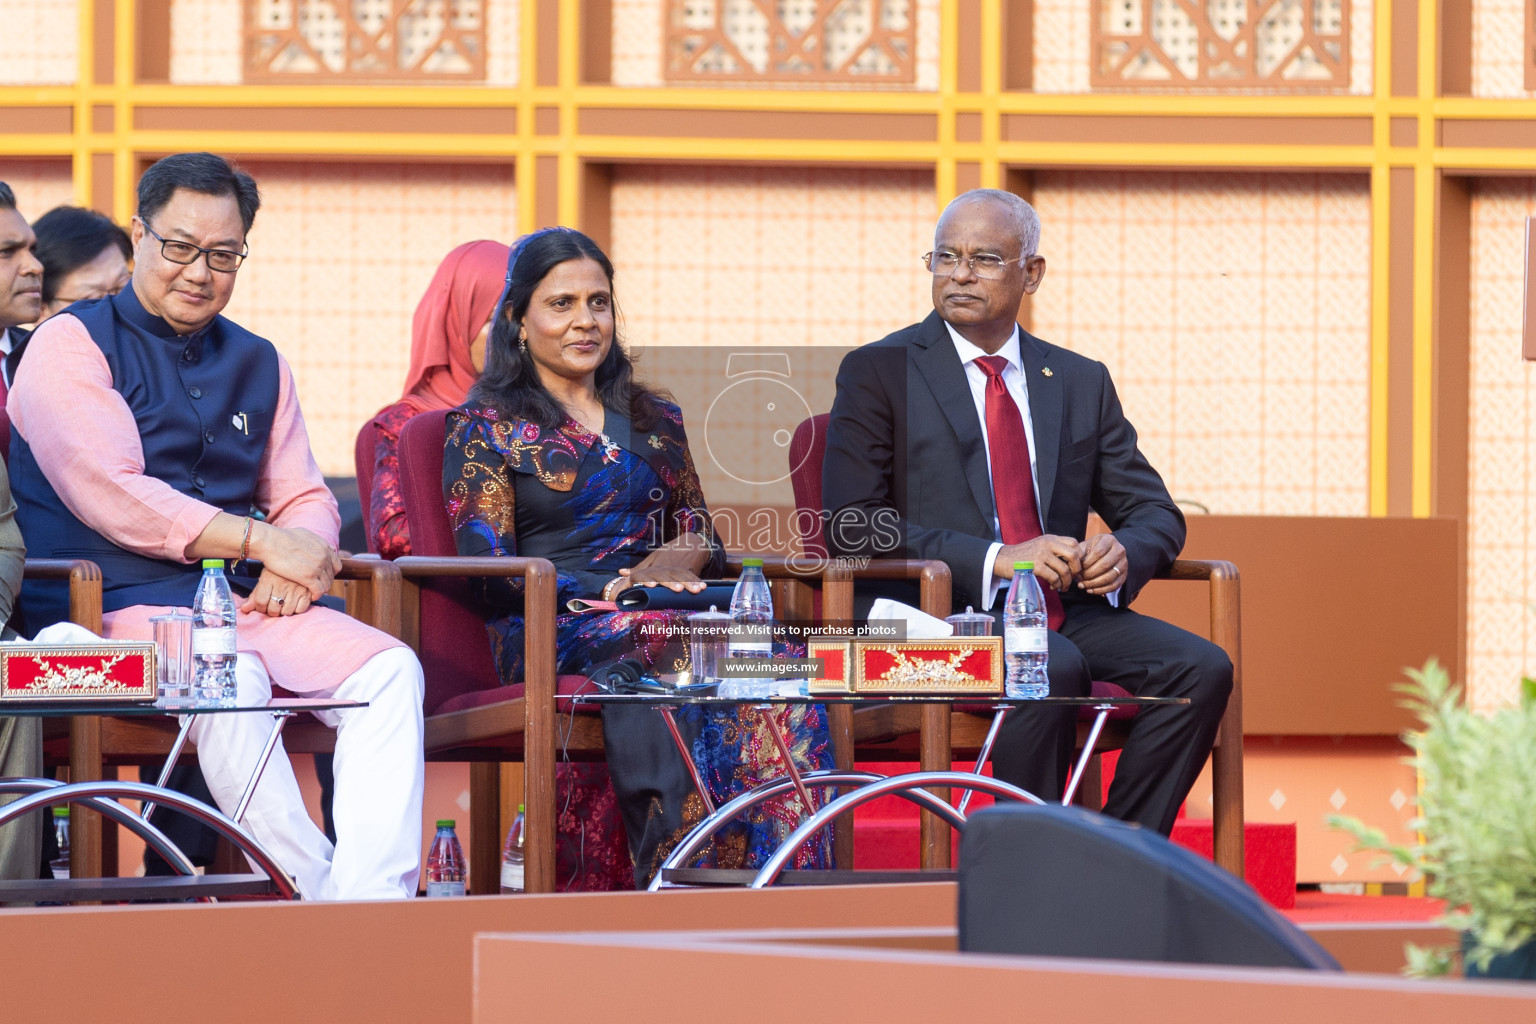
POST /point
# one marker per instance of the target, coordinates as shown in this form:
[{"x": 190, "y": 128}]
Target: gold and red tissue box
[
  {"x": 109, "y": 670},
  {"x": 960, "y": 665}
]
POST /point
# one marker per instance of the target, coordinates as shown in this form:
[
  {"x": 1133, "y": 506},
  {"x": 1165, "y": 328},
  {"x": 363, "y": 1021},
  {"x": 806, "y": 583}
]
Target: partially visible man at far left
[
  {"x": 21, "y": 739},
  {"x": 21, "y": 277}
]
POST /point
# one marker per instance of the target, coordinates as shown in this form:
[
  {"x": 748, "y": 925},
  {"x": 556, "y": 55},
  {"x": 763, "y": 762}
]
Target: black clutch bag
[{"x": 639, "y": 599}]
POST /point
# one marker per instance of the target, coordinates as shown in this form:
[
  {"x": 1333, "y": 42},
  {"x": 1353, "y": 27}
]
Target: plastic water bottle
[
  {"x": 60, "y": 864},
  {"x": 751, "y": 629},
  {"x": 446, "y": 867},
  {"x": 512, "y": 856},
  {"x": 1024, "y": 635},
  {"x": 213, "y": 639}
]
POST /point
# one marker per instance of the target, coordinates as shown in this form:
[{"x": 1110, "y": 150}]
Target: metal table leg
[
  {"x": 670, "y": 716},
  {"x": 1082, "y": 759},
  {"x": 279, "y": 719},
  {"x": 985, "y": 754},
  {"x": 772, "y": 721},
  {"x": 170, "y": 762}
]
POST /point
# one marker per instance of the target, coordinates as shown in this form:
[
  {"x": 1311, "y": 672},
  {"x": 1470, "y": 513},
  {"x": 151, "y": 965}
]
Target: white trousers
[{"x": 379, "y": 779}]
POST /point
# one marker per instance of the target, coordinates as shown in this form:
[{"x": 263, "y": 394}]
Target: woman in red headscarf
[{"x": 447, "y": 354}]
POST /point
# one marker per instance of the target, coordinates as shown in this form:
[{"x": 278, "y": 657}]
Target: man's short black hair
[
  {"x": 206, "y": 173},
  {"x": 7, "y": 197},
  {"x": 69, "y": 237}
]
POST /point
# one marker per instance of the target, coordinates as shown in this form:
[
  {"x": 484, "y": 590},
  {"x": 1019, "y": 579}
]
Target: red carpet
[{"x": 1316, "y": 907}]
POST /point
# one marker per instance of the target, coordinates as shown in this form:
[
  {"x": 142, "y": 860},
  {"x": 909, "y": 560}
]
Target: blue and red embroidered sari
[{"x": 593, "y": 503}]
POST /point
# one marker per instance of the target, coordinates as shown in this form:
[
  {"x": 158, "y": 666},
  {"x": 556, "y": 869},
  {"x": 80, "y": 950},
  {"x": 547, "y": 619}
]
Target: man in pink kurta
[{"x": 129, "y": 455}]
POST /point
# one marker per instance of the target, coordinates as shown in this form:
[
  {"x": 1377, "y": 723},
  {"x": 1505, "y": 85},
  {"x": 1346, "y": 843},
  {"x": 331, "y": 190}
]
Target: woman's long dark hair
[{"x": 510, "y": 383}]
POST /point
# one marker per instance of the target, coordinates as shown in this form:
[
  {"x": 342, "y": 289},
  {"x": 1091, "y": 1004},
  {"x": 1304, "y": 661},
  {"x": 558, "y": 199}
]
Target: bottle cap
[
  {"x": 213, "y": 563},
  {"x": 1023, "y": 566},
  {"x": 445, "y": 823},
  {"x": 747, "y": 563},
  {"x": 61, "y": 812},
  {"x": 521, "y": 808}
]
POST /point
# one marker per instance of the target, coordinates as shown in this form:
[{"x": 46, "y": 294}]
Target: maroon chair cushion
[
  {"x": 362, "y": 461},
  {"x": 807, "y": 451},
  {"x": 1102, "y": 689},
  {"x": 455, "y": 649}
]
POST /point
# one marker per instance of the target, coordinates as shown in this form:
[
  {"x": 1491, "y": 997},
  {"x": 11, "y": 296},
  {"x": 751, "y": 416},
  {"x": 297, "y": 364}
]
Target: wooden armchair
[
  {"x": 84, "y": 581},
  {"x": 94, "y": 744},
  {"x": 470, "y": 715}
]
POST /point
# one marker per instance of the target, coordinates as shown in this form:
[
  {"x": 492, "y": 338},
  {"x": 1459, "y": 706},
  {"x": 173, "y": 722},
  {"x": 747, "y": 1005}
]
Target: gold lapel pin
[{"x": 1047, "y": 372}]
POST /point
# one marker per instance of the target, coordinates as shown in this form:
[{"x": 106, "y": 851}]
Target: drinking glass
[
  {"x": 970, "y": 623},
  {"x": 708, "y": 641},
  {"x": 173, "y": 659}
]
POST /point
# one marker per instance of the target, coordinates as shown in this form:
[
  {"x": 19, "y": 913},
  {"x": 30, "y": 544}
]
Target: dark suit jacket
[
  {"x": 906, "y": 470},
  {"x": 19, "y": 339}
]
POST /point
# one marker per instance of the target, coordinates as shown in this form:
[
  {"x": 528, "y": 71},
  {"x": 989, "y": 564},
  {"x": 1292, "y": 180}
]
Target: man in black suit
[{"x": 931, "y": 421}]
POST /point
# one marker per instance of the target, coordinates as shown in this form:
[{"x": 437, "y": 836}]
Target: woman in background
[
  {"x": 448, "y": 337},
  {"x": 561, "y": 454},
  {"x": 84, "y": 256}
]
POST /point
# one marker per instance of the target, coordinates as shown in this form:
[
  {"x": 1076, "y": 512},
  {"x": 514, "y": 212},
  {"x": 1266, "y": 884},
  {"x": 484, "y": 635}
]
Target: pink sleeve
[
  {"x": 84, "y": 438},
  {"x": 291, "y": 488}
]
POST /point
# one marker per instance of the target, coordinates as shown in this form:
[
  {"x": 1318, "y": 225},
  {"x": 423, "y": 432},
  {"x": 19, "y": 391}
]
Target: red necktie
[{"x": 1013, "y": 485}]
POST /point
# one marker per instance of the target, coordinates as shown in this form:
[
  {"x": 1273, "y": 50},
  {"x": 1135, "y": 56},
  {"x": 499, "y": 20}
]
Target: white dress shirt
[
  {"x": 1013, "y": 380},
  {"x": 6, "y": 344}
]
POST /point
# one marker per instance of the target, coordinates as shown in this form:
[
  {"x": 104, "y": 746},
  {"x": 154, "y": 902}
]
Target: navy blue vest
[{"x": 204, "y": 404}]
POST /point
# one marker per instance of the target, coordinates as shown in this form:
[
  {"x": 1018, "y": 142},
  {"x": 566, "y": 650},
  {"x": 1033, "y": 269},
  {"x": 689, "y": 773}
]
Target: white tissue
[{"x": 920, "y": 625}]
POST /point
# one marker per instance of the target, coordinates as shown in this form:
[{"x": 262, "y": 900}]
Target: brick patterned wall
[
  {"x": 40, "y": 185},
  {"x": 38, "y": 42},
  {"x": 1234, "y": 313},
  {"x": 1500, "y": 34},
  {"x": 1501, "y": 483}
]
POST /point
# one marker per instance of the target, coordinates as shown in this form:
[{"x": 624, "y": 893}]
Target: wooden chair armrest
[
  {"x": 84, "y": 578},
  {"x": 1199, "y": 569},
  {"x": 1227, "y": 757},
  {"x": 933, "y": 577},
  {"x": 539, "y": 593},
  {"x": 377, "y": 601},
  {"x": 417, "y": 567}
]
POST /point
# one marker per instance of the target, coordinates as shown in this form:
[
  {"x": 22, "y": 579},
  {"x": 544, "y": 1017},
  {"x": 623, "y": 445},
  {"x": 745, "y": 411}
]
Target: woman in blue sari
[{"x": 560, "y": 453}]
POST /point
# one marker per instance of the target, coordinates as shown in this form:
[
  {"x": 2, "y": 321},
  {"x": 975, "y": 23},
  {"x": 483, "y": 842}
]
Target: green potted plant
[{"x": 1477, "y": 820}]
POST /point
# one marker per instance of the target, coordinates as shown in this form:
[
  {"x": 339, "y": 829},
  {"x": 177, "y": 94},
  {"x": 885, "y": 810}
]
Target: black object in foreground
[{"x": 1064, "y": 881}]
